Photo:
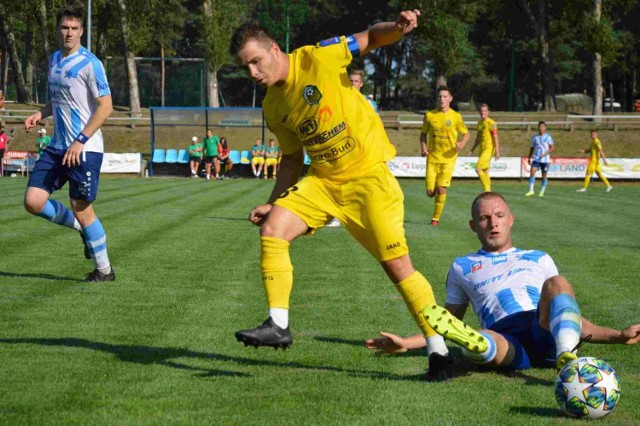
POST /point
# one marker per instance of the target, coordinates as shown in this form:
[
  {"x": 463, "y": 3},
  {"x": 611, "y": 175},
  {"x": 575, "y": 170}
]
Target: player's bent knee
[
  {"x": 556, "y": 285},
  {"x": 34, "y": 203}
]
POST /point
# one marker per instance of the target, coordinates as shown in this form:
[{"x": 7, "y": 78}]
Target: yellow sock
[
  {"x": 277, "y": 271},
  {"x": 603, "y": 178},
  {"x": 417, "y": 293},
  {"x": 440, "y": 200},
  {"x": 587, "y": 179},
  {"x": 485, "y": 180}
]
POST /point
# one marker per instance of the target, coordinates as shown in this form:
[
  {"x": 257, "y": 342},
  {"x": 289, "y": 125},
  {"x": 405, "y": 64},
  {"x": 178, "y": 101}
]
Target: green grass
[{"x": 157, "y": 346}]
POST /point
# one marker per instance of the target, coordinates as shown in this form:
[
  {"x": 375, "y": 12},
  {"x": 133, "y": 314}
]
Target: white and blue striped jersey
[
  {"x": 499, "y": 284},
  {"x": 540, "y": 145},
  {"x": 75, "y": 82}
]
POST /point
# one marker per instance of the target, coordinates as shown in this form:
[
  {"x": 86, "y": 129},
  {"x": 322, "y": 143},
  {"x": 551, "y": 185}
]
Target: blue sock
[
  {"x": 544, "y": 185},
  {"x": 484, "y": 357},
  {"x": 532, "y": 181},
  {"x": 54, "y": 211},
  {"x": 565, "y": 322},
  {"x": 97, "y": 243}
]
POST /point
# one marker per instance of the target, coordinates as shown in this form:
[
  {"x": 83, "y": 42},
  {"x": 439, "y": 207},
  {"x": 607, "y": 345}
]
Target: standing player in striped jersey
[
  {"x": 311, "y": 105},
  {"x": 594, "y": 166},
  {"x": 541, "y": 146},
  {"x": 529, "y": 314},
  {"x": 80, "y": 101},
  {"x": 439, "y": 143},
  {"x": 487, "y": 138}
]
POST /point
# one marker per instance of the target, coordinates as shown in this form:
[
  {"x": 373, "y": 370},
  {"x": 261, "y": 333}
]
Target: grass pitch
[{"x": 157, "y": 346}]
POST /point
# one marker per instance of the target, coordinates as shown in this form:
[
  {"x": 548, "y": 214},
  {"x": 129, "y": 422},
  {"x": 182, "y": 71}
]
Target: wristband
[{"x": 82, "y": 138}]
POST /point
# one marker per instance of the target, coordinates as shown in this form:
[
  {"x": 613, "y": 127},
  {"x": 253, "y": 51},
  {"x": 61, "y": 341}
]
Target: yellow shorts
[
  {"x": 484, "y": 159},
  {"x": 439, "y": 175},
  {"x": 370, "y": 207},
  {"x": 594, "y": 168},
  {"x": 257, "y": 160},
  {"x": 271, "y": 161}
]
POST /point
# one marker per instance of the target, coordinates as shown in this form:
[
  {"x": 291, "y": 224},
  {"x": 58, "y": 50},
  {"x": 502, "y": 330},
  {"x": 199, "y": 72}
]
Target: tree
[
  {"x": 129, "y": 55},
  {"x": 23, "y": 94},
  {"x": 540, "y": 24},
  {"x": 597, "y": 65},
  {"x": 220, "y": 19}
]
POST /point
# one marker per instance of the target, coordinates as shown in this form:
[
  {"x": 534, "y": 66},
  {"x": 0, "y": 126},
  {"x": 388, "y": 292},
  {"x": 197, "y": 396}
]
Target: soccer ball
[{"x": 587, "y": 388}]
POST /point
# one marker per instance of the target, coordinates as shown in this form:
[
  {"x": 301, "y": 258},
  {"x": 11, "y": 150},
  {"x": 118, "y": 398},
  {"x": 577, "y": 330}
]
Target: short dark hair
[
  {"x": 251, "y": 30},
  {"x": 484, "y": 196},
  {"x": 541, "y": 122},
  {"x": 484, "y": 106},
  {"x": 72, "y": 10},
  {"x": 441, "y": 88},
  {"x": 594, "y": 130},
  {"x": 357, "y": 71}
]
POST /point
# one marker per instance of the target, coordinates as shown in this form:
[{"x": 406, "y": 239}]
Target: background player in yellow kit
[
  {"x": 311, "y": 104},
  {"x": 439, "y": 143},
  {"x": 487, "y": 138},
  {"x": 594, "y": 162}
]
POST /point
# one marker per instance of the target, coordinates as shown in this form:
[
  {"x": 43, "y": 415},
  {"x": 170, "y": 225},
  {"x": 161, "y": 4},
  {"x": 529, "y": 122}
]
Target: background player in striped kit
[{"x": 80, "y": 103}]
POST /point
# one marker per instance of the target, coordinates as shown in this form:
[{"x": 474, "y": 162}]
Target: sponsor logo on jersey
[
  {"x": 325, "y": 114},
  {"x": 308, "y": 126},
  {"x": 332, "y": 153},
  {"x": 476, "y": 266},
  {"x": 495, "y": 260},
  {"x": 311, "y": 94},
  {"x": 326, "y": 135}
]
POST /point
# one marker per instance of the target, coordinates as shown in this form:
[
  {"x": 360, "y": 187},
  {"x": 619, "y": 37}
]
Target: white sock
[
  {"x": 280, "y": 316},
  {"x": 435, "y": 344}
]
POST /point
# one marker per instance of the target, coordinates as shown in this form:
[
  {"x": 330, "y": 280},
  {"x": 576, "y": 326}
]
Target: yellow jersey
[
  {"x": 486, "y": 128},
  {"x": 442, "y": 129},
  {"x": 595, "y": 149},
  {"x": 317, "y": 109}
]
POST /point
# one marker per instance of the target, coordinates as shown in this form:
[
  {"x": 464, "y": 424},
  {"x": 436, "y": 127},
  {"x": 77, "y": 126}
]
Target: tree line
[{"x": 513, "y": 54}]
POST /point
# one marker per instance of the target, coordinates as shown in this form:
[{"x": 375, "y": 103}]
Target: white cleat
[
  {"x": 609, "y": 188},
  {"x": 581, "y": 190}
]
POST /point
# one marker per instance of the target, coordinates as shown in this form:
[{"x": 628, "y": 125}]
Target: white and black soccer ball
[{"x": 587, "y": 388}]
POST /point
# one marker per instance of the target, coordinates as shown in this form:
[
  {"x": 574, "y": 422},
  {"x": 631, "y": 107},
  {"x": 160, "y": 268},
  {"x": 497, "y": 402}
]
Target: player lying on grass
[
  {"x": 528, "y": 313},
  {"x": 310, "y": 104}
]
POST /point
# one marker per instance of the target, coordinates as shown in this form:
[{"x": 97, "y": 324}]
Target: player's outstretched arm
[
  {"x": 628, "y": 336},
  {"x": 392, "y": 344},
  {"x": 385, "y": 33}
]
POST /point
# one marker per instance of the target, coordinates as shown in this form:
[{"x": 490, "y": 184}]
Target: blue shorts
[
  {"x": 49, "y": 174},
  {"x": 534, "y": 346},
  {"x": 544, "y": 167}
]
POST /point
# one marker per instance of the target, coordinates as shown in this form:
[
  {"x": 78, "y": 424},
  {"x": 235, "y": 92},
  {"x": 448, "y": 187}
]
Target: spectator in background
[
  {"x": 257, "y": 158},
  {"x": 1, "y": 100},
  {"x": 210, "y": 151},
  {"x": 272, "y": 153},
  {"x": 195, "y": 156},
  {"x": 4, "y": 141},
  {"x": 223, "y": 158},
  {"x": 43, "y": 141}
]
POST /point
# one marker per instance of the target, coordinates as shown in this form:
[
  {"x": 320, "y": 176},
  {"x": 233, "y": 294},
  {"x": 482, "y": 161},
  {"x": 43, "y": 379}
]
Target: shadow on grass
[
  {"x": 538, "y": 411},
  {"x": 150, "y": 355},
  {"x": 42, "y": 276},
  {"x": 238, "y": 219},
  {"x": 528, "y": 380}
]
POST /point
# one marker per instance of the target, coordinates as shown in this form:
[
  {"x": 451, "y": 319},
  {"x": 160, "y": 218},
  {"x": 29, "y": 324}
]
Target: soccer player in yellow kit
[
  {"x": 487, "y": 138},
  {"x": 439, "y": 143},
  {"x": 594, "y": 162},
  {"x": 310, "y": 104}
]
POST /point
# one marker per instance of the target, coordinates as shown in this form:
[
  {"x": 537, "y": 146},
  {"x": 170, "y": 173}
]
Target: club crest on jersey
[
  {"x": 448, "y": 123},
  {"x": 495, "y": 260},
  {"x": 311, "y": 94},
  {"x": 476, "y": 266},
  {"x": 308, "y": 126}
]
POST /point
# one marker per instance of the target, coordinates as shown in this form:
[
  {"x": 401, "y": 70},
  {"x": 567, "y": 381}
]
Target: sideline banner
[
  {"x": 121, "y": 163},
  {"x": 517, "y": 167}
]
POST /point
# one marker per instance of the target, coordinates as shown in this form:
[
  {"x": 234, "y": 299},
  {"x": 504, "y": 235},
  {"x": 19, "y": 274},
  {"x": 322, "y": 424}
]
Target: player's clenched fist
[
  {"x": 259, "y": 214},
  {"x": 408, "y": 20}
]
